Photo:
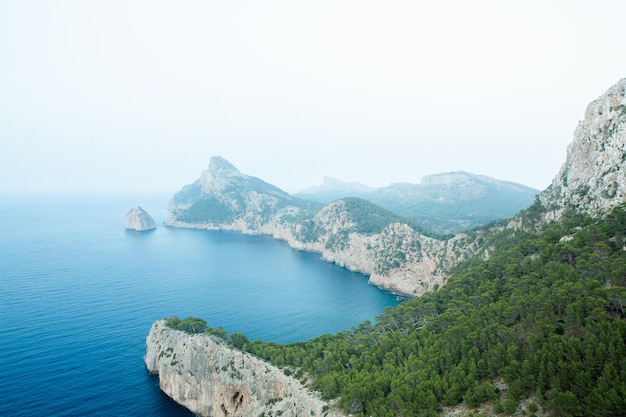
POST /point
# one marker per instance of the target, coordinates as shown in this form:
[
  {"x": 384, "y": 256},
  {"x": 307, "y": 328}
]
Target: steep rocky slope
[
  {"x": 203, "y": 374},
  {"x": 593, "y": 180},
  {"x": 350, "y": 232}
]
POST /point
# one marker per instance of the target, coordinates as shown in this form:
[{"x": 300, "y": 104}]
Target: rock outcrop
[
  {"x": 350, "y": 232},
  {"x": 210, "y": 378},
  {"x": 395, "y": 255},
  {"x": 138, "y": 219},
  {"x": 593, "y": 178}
]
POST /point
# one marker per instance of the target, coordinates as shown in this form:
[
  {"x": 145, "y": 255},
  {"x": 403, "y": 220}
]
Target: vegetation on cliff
[
  {"x": 542, "y": 318},
  {"x": 545, "y": 313}
]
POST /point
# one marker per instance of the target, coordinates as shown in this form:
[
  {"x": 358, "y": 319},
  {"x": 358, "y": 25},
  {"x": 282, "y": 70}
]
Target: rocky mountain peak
[
  {"x": 219, "y": 176},
  {"x": 218, "y": 165},
  {"x": 593, "y": 180}
]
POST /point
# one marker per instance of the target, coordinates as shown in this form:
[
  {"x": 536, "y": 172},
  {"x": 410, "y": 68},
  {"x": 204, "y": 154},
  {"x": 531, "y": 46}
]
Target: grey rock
[
  {"x": 397, "y": 257},
  {"x": 593, "y": 178},
  {"x": 138, "y": 219},
  {"x": 204, "y": 374}
]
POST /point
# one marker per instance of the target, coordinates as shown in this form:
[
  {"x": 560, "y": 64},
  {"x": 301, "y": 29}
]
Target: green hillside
[{"x": 542, "y": 320}]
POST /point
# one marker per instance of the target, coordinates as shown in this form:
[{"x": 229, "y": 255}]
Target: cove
[{"x": 78, "y": 294}]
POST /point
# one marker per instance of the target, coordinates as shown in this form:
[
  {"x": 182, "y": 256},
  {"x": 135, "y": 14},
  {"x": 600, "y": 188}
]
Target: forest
[{"x": 540, "y": 322}]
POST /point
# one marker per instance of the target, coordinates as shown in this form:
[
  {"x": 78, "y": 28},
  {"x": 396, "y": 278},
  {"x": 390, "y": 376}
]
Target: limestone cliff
[
  {"x": 593, "y": 178},
  {"x": 203, "y": 374},
  {"x": 352, "y": 233},
  {"x": 138, "y": 219},
  {"x": 366, "y": 238}
]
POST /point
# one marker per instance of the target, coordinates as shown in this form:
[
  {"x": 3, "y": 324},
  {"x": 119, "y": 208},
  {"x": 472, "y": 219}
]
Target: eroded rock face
[
  {"x": 210, "y": 378},
  {"x": 138, "y": 219},
  {"x": 593, "y": 178},
  {"x": 397, "y": 259}
]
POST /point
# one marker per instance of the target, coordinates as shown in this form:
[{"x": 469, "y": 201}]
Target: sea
[{"x": 78, "y": 294}]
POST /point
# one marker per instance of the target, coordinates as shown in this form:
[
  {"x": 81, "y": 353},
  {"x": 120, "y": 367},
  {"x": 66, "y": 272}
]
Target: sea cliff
[
  {"x": 592, "y": 179},
  {"x": 352, "y": 233},
  {"x": 210, "y": 378}
]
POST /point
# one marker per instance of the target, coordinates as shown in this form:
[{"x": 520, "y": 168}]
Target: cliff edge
[
  {"x": 593, "y": 179},
  {"x": 351, "y": 232},
  {"x": 205, "y": 375}
]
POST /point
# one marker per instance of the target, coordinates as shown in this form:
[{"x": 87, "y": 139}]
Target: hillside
[
  {"x": 533, "y": 324},
  {"x": 445, "y": 203},
  {"x": 541, "y": 322},
  {"x": 354, "y": 233}
]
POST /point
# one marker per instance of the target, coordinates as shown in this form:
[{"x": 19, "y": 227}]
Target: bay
[{"x": 78, "y": 294}]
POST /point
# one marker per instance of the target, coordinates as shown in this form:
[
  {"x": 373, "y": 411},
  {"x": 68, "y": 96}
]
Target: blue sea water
[{"x": 78, "y": 294}]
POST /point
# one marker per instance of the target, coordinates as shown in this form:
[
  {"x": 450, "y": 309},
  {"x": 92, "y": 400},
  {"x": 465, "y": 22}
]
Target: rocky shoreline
[{"x": 202, "y": 373}]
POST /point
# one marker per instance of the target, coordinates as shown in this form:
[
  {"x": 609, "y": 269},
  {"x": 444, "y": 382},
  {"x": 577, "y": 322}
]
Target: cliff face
[
  {"x": 138, "y": 219},
  {"x": 203, "y": 374},
  {"x": 396, "y": 256},
  {"x": 351, "y": 233},
  {"x": 593, "y": 180}
]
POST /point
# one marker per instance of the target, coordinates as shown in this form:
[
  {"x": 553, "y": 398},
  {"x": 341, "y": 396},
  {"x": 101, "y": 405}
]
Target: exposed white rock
[
  {"x": 210, "y": 378},
  {"x": 139, "y": 219},
  {"x": 593, "y": 179},
  {"x": 400, "y": 259}
]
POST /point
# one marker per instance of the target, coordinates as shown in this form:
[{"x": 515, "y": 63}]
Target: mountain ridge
[
  {"x": 534, "y": 324},
  {"x": 394, "y": 254},
  {"x": 398, "y": 257},
  {"x": 446, "y": 203}
]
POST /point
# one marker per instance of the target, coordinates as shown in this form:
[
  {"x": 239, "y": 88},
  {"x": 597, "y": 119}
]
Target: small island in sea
[{"x": 139, "y": 220}]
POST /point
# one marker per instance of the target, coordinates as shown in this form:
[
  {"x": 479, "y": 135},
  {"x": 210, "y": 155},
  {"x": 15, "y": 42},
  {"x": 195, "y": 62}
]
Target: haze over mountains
[
  {"x": 398, "y": 253},
  {"x": 445, "y": 203},
  {"x": 531, "y": 318}
]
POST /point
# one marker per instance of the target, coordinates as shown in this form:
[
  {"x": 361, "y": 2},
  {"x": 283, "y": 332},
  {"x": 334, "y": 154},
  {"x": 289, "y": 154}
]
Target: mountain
[
  {"x": 333, "y": 189},
  {"x": 351, "y": 232},
  {"x": 533, "y": 324},
  {"x": 446, "y": 203},
  {"x": 593, "y": 180},
  {"x": 398, "y": 255},
  {"x": 225, "y": 198}
]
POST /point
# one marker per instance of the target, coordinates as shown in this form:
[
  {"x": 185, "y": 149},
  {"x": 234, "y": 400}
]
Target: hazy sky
[{"x": 138, "y": 95}]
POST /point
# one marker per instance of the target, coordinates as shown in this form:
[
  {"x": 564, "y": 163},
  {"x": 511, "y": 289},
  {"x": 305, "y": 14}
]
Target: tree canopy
[{"x": 542, "y": 318}]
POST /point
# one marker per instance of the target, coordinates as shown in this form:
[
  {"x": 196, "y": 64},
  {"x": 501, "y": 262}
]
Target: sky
[{"x": 137, "y": 96}]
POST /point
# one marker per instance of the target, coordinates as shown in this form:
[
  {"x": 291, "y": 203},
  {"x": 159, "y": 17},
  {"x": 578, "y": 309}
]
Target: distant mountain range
[
  {"x": 445, "y": 203},
  {"x": 395, "y": 251},
  {"x": 531, "y": 320},
  {"x": 395, "y": 234}
]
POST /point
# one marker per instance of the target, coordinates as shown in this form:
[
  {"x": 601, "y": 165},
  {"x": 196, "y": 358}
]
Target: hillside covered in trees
[
  {"x": 533, "y": 322},
  {"x": 542, "y": 321}
]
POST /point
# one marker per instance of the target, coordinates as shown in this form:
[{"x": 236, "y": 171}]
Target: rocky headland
[
  {"x": 204, "y": 374},
  {"x": 138, "y": 219},
  {"x": 210, "y": 378},
  {"x": 396, "y": 255},
  {"x": 352, "y": 233}
]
